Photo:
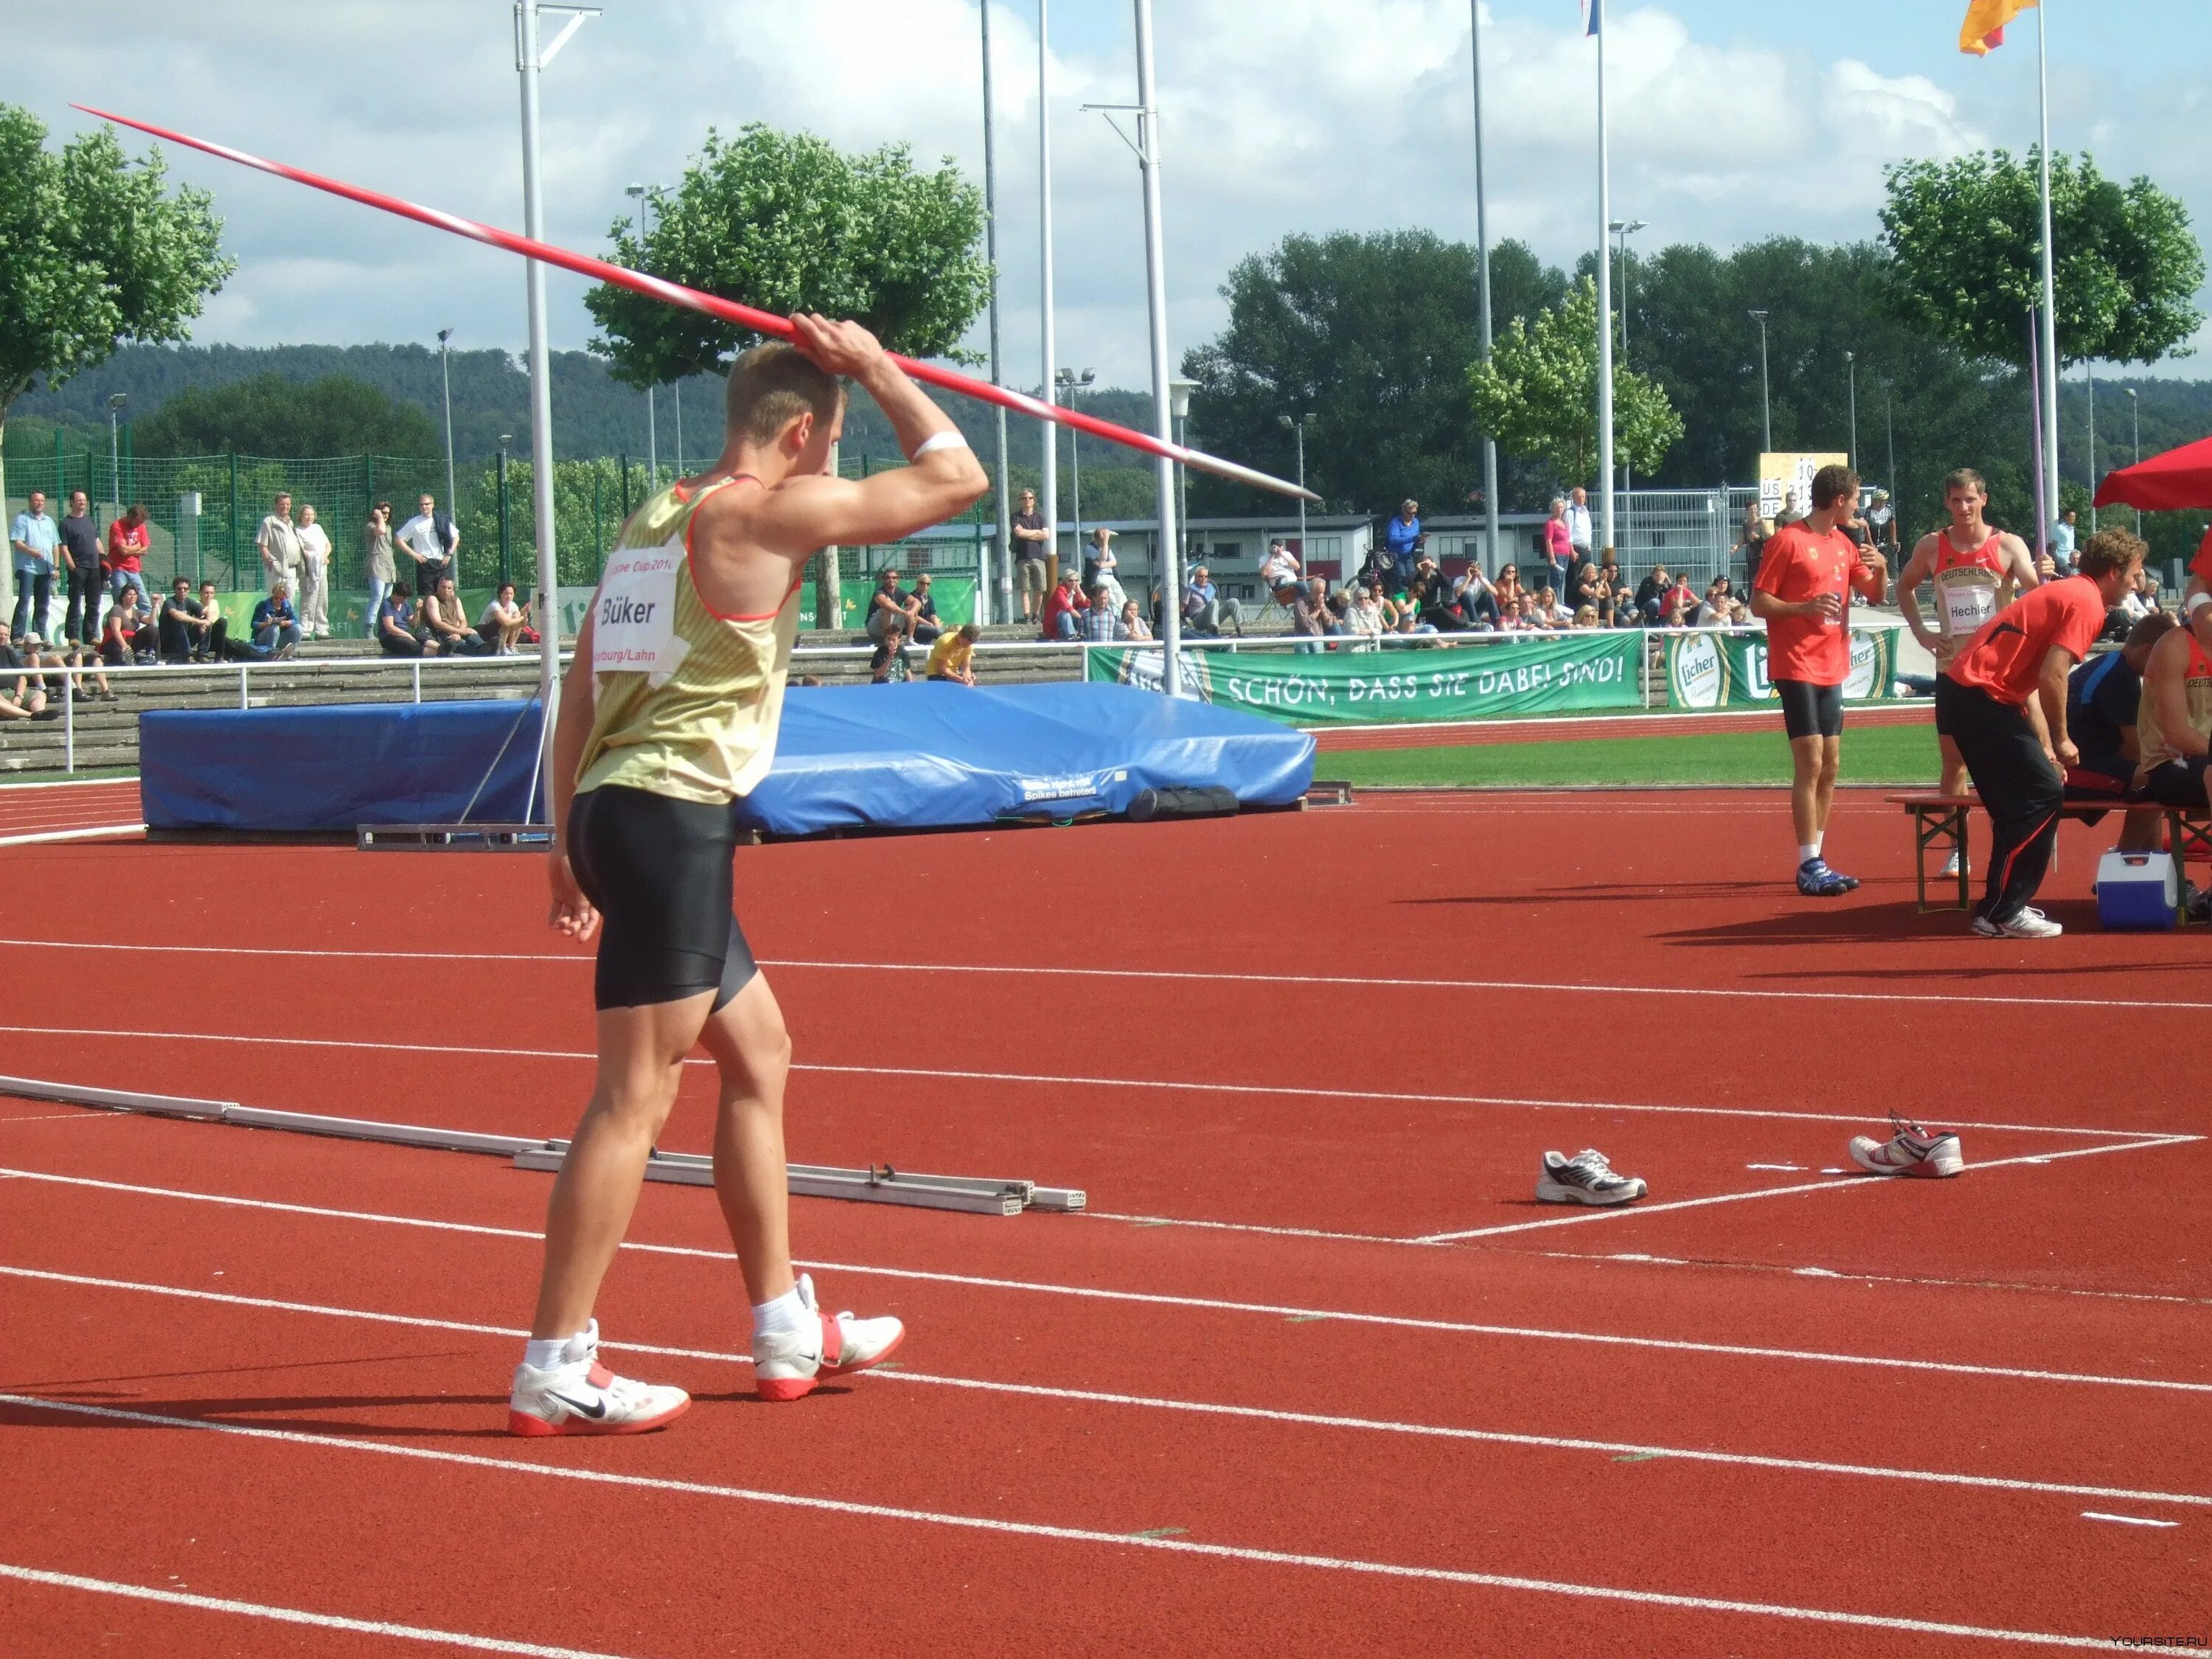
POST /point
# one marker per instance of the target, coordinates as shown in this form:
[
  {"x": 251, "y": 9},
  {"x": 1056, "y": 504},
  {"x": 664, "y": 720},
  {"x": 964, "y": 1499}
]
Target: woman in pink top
[{"x": 1559, "y": 546}]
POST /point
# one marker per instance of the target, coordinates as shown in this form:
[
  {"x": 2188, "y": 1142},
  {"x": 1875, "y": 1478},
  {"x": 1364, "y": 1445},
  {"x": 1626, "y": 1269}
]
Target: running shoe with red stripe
[
  {"x": 581, "y": 1396},
  {"x": 1911, "y": 1151},
  {"x": 786, "y": 1364}
]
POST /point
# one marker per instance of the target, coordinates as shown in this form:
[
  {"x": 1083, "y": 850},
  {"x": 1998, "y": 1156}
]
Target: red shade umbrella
[{"x": 2177, "y": 480}]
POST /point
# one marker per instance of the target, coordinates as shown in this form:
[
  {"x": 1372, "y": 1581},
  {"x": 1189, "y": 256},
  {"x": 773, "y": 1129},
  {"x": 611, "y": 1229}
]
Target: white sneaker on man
[
  {"x": 786, "y": 1364},
  {"x": 1911, "y": 1151},
  {"x": 1954, "y": 866},
  {"x": 581, "y": 1396},
  {"x": 2029, "y": 923}
]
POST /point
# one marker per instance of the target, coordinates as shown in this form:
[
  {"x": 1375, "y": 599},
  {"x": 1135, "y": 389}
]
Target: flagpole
[
  {"x": 1604, "y": 292},
  {"x": 2050, "y": 363}
]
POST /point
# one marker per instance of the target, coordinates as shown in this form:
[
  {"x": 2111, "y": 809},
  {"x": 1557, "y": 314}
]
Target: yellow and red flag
[{"x": 1983, "y": 31}]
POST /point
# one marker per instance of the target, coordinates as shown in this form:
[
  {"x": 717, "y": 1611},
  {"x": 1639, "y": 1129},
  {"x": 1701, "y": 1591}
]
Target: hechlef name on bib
[{"x": 634, "y": 615}]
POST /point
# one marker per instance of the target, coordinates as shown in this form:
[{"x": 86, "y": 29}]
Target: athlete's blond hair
[{"x": 773, "y": 384}]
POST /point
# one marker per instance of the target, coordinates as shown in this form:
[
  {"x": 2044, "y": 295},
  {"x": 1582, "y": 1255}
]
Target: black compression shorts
[
  {"x": 659, "y": 872},
  {"x": 1810, "y": 710},
  {"x": 2179, "y": 784}
]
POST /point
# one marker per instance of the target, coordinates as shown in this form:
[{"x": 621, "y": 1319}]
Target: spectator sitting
[
  {"x": 1586, "y": 616},
  {"x": 1204, "y": 610},
  {"x": 1476, "y": 599},
  {"x": 276, "y": 625},
  {"x": 1678, "y": 604},
  {"x": 889, "y": 600},
  {"x": 924, "y": 626},
  {"x": 443, "y": 626},
  {"x": 1403, "y": 615},
  {"x": 1438, "y": 601},
  {"x": 127, "y": 635},
  {"x": 211, "y": 635},
  {"x": 21, "y": 697},
  {"x": 1548, "y": 612},
  {"x": 1403, "y": 537},
  {"x": 501, "y": 625},
  {"x": 2104, "y": 699},
  {"x": 953, "y": 657},
  {"x": 1099, "y": 565},
  {"x": 179, "y": 623},
  {"x": 1363, "y": 614},
  {"x": 1652, "y": 595},
  {"x": 1593, "y": 586},
  {"x": 1525, "y": 614},
  {"x": 1060, "y": 607},
  {"x": 1101, "y": 622},
  {"x": 1508, "y": 589},
  {"x": 1134, "y": 625},
  {"x": 395, "y": 623},
  {"x": 1278, "y": 573},
  {"x": 1713, "y": 613},
  {"x": 888, "y": 664},
  {"x": 1310, "y": 613}
]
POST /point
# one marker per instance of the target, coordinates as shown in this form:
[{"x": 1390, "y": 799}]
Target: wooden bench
[{"x": 1939, "y": 823}]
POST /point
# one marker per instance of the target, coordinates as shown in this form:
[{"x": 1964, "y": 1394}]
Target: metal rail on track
[{"x": 878, "y": 1184}]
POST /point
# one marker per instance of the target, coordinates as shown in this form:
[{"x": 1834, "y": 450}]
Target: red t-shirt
[
  {"x": 1800, "y": 564},
  {"x": 1059, "y": 602},
  {"x": 2201, "y": 564},
  {"x": 125, "y": 544},
  {"x": 2005, "y": 656}
]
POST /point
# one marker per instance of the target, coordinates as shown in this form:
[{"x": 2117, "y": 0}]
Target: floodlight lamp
[
  {"x": 1179, "y": 398},
  {"x": 1284, "y": 422},
  {"x": 444, "y": 335},
  {"x": 633, "y": 189},
  {"x": 116, "y": 400}
]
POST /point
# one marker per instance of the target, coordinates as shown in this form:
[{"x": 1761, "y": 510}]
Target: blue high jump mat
[{"x": 927, "y": 756}]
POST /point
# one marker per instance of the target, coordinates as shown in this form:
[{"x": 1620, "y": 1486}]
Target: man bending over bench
[{"x": 2004, "y": 698}]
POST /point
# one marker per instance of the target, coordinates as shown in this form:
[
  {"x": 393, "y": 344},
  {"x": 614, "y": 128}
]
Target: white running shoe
[
  {"x": 1912, "y": 1150},
  {"x": 1954, "y": 866},
  {"x": 581, "y": 1396},
  {"x": 1585, "y": 1178},
  {"x": 786, "y": 1364},
  {"x": 2030, "y": 923}
]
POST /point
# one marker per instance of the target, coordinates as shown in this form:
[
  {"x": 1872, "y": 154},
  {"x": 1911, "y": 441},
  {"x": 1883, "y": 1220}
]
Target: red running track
[{"x": 1564, "y": 1425}]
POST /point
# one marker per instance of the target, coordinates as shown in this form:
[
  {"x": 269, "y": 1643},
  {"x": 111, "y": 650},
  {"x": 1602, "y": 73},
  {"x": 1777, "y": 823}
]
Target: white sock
[
  {"x": 1820, "y": 842},
  {"x": 784, "y": 1316},
  {"x": 1808, "y": 851},
  {"x": 547, "y": 1352}
]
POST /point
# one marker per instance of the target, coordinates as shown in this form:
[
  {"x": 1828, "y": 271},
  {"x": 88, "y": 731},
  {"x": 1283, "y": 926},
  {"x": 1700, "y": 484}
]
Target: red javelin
[{"x": 760, "y": 322}]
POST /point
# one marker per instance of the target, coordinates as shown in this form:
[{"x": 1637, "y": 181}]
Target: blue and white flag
[{"x": 1593, "y": 16}]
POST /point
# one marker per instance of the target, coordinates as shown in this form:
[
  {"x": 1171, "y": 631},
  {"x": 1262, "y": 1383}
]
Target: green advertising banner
[
  {"x": 1729, "y": 671},
  {"x": 1561, "y": 673}
]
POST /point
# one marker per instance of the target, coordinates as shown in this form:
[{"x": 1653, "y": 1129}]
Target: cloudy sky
[{"x": 1732, "y": 120}]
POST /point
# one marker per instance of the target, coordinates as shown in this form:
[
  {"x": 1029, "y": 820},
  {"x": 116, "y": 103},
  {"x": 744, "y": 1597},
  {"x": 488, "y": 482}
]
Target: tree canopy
[
  {"x": 1966, "y": 244},
  {"x": 1537, "y": 395},
  {"x": 785, "y": 222},
  {"x": 269, "y": 415}
]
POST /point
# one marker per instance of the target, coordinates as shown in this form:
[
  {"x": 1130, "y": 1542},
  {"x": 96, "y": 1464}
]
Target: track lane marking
[
  {"x": 1228, "y": 977},
  {"x": 289, "y": 1615},
  {"x": 1632, "y": 1450},
  {"x": 1152, "y": 1298},
  {"x": 94, "y": 833},
  {"x": 1185, "y": 1546}
]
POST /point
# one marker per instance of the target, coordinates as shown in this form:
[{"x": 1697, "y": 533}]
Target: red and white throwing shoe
[
  {"x": 1913, "y": 1151},
  {"x": 786, "y": 1364},
  {"x": 581, "y": 1396}
]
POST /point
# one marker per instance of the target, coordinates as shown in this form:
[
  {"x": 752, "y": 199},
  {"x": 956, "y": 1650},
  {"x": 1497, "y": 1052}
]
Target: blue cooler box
[{"x": 2136, "y": 890}]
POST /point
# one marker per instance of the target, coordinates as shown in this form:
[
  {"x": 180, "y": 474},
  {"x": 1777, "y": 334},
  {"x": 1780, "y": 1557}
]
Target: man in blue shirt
[
  {"x": 2062, "y": 542},
  {"x": 33, "y": 540},
  {"x": 1203, "y": 607},
  {"x": 1403, "y": 537},
  {"x": 276, "y": 625}
]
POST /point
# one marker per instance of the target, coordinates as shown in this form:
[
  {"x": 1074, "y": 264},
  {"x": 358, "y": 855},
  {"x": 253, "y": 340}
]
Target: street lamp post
[
  {"x": 1623, "y": 229},
  {"x": 446, "y": 380},
  {"x": 1299, "y": 428},
  {"x": 1765, "y": 399},
  {"x": 115, "y": 403},
  {"x": 1179, "y": 406},
  {"x": 636, "y": 193},
  {"x": 1851, "y": 368},
  {"x": 2134, "y": 404},
  {"x": 1889, "y": 427},
  {"x": 1070, "y": 382},
  {"x": 2090, "y": 370}
]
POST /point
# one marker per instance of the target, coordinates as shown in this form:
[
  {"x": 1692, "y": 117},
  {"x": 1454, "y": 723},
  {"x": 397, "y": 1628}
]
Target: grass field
[{"x": 1880, "y": 754}]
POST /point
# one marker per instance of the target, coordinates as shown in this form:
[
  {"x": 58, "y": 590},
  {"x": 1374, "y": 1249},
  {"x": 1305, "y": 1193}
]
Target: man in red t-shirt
[
  {"x": 2002, "y": 697},
  {"x": 1806, "y": 576}
]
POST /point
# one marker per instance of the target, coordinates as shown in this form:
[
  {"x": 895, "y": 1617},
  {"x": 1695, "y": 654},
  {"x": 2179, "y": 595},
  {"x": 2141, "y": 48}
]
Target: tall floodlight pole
[
  {"x": 1482, "y": 253},
  {"x": 1156, "y": 288},
  {"x": 2134, "y": 404},
  {"x": 1179, "y": 392},
  {"x": 1851, "y": 369},
  {"x": 445, "y": 377},
  {"x": 1604, "y": 287},
  {"x": 1069, "y": 381},
  {"x": 115, "y": 402},
  {"x": 529, "y": 62},
  {"x": 1004, "y": 549},
  {"x": 1299, "y": 428},
  {"x": 1765, "y": 398},
  {"x": 2090, "y": 369},
  {"x": 1625, "y": 228},
  {"x": 1889, "y": 426},
  {"x": 2050, "y": 363},
  {"x": 1049, "y": 490},
  {"x": 636, "y": 193}
]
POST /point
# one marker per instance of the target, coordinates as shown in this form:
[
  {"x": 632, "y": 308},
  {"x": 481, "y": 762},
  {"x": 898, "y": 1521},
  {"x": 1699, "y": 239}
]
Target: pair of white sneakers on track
[{"x": 581, "y": 1396}]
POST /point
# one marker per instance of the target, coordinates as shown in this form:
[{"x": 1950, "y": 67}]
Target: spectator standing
[
  {"x": 433, "y": 540},
  {"x": 1751, "y": 542},
  {"x": 34, "y": 540},
  {"x": 1881, "y": 520},
  {"x": 1032, "y": 548},
  {"x": 2062, "y": 542},
  {"x": 888, "y": 666},
  {"x": 376, "y": 559},
  {"x": 445, "y": 625},
  {"x": 1402, "y": 535},
  {"x": 80, "y": 551},
  {"x": 953, "y": 657},
  {"x": 1558, "y": 541},
  {"x": 926, "y": 627},
  {"x": 395, "y": 623},
  {"x": 501, "y": 625},
  {"x": 315, "y": 576},
  {"x": 1063, "y": 607},
  {"x": 278, "y": 539},
  {"x": 128, "y": 541},
  {"x": 889, "y": 600},
  {"x": 1579, "y": 522},
  {"x": 276, "y": 624}
]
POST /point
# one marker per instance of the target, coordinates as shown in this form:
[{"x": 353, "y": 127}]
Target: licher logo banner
[{"x": 1729, "y": 671}]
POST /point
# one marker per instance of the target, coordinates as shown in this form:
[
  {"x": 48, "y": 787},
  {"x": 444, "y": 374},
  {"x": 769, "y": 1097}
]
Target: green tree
[
  {"x": 1372, "y": 334},
  {"x": 785, "y": 222},
  {"x": 93, "y": 253},
  {"x": 1538, "y": 394},
  {"x": 1966, "y": 239},
  {"x": 269, "y": 415}
]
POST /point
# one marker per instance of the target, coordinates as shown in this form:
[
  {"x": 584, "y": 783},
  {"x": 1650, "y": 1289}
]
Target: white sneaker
[
  {"x": 581, "y": 1396},
  {"x": 2030, "y": 923},
  {"x": 786, "y": 1364},
  {"x": 1585, "y": 1178},
  {"x": 1911, "y": 1151},
  {"x": 1954, "y": 866}
]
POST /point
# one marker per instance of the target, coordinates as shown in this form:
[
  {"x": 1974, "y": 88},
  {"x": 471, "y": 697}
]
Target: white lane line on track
[
  {"x": 2127, "y": 1520},
  {"x": 1386, "y": 982},
  {"x": 99, "y": 832},
  {"x": 957, "y": 1074},
  {"x": 1154, "y": 1298},
  {"x": 289, "y": 1615},
  {"x": 1843, "y": 1184},
  {"x": 1184, "y": 1546},
  {"x": 1196, "y": 1407}
]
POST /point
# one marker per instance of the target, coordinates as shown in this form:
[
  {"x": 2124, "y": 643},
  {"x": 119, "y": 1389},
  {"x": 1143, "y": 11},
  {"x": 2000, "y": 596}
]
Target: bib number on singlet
[
  {"x": 634, "y": 615},
  {"x": 1966, "y": 604}
]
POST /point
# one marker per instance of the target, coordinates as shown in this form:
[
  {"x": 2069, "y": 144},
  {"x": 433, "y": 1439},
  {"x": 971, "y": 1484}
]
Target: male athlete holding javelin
[
  {"x": 669, "y": 712},
  {"x": 1806, "y": 576}
]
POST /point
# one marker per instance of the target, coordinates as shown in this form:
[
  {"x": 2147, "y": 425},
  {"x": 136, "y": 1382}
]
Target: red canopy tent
[{"x": 2176, "y": 481}]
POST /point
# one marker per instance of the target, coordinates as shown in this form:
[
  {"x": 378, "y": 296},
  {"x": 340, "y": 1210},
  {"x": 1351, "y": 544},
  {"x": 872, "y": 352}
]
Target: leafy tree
[
  {"x": 1538, "y": 392},
  {"x": 269, "y": 415},
  {"x": 1966, "y": 239},
  {"x": 1372, "y": 334},
  {"x": 94, "y": 254}
]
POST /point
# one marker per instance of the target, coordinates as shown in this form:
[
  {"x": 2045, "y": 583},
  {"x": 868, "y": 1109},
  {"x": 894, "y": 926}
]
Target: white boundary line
[
  {"x": 289, "y": 1615},
  {"x": 1183, "y": 1546},
  {"x": 1204, "y": 1408},
  {"x": 6, "y": 789},
  {"x": 1224, "y": 977},
  {"x": 1158, "y": 1299},
  {"x": 101, "y": 830}
]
